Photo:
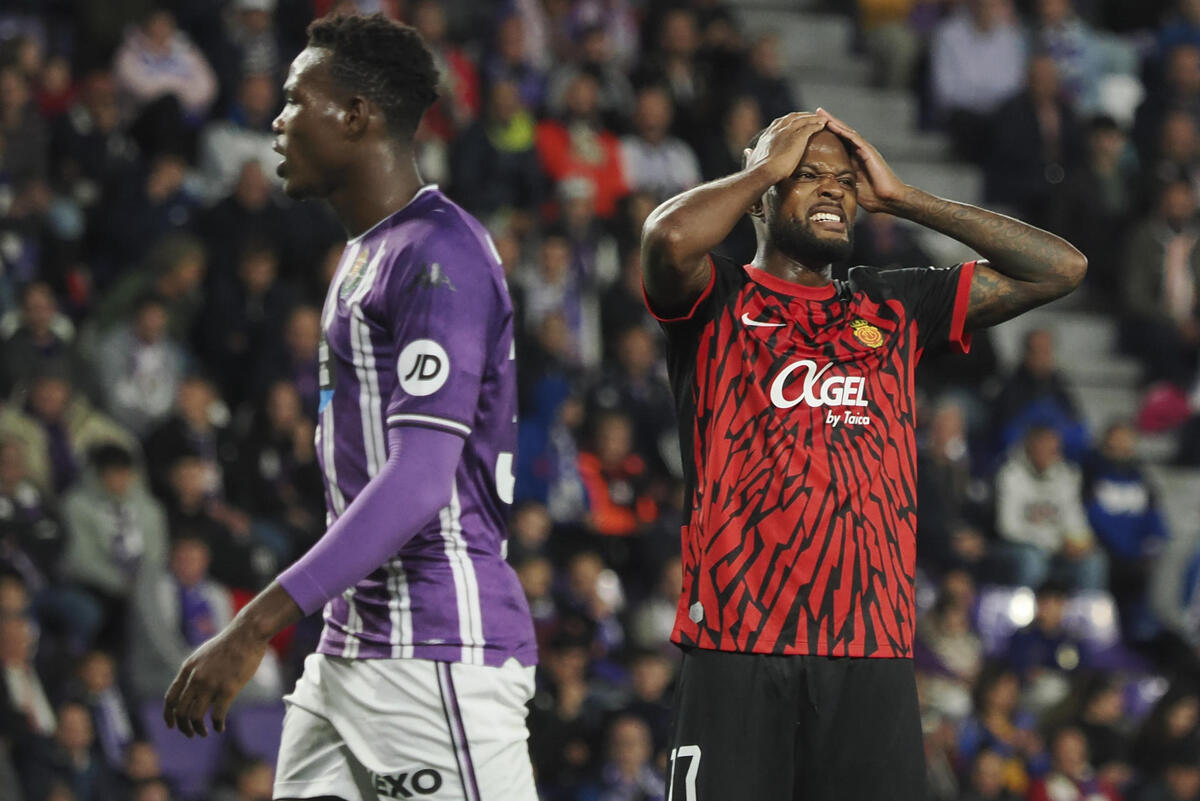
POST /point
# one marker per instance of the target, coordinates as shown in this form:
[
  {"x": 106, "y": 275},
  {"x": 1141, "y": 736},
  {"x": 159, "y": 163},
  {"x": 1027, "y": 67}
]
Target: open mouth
[{"x": 828, "y": 220}]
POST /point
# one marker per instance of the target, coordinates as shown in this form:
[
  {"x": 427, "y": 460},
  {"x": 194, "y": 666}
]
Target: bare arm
[
  {"x": 1025, "y": 265},
  {"x": 679, "y": 234}
]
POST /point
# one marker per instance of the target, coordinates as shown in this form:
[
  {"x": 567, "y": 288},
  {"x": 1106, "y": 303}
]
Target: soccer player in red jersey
[{"x": 795, "y": 399}]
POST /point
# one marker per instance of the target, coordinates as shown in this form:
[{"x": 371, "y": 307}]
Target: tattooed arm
[{"x": 1025, "y": 266}]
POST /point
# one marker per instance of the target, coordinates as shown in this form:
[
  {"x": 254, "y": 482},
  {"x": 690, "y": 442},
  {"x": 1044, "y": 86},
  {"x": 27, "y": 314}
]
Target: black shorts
[{"x": 759, "y": 727}]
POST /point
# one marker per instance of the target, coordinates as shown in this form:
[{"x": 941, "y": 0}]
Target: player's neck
[
  {"x": 374, "y": 189},
  {"x": 772, "y": 261}
]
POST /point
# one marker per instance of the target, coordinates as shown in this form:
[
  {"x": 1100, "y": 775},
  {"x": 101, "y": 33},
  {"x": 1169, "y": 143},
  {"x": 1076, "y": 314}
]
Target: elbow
[
  {"x": 1076, "y": 270},
  {"x": 663, "y": 237}
]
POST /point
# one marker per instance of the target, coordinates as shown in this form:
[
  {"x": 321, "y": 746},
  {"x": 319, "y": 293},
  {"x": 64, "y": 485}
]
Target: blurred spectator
[
  {"x": 513, "y": 60},
  {"x": 141, "y": 764},
  {"x": 297, "y": 363},
  {"x": 723, "y": 152},
  {"x": 955, "y": 657},
  {"x": 1123, "y": 511},
  {"x": 1085, "y": 57},
  {"x": 238, "y": 559},
  {"x": 671, "y": 60},
  {"x": 1179, "y": 91},
  {"x": 198, "y": 425},
  {"x": 1097, "y": 203},
  {"x": 24, "y": 706},
  {"x": 250, "y": 46},
  {"x": 622, "y": 306},
  {"x": 117, "y": 538},
  {"x": 577, "y": 145},
  {"x": 998, "y": 724},
  {"x": 153, "y": 789},
  {"x": 1174, "y": 595},
  {"x": 173, "y": 271},
  {"x": 564, "y": 721},
  {"x": 149, "y": 207},
  {"x": 1040, "y": 517},
  {"x": 766, "y": 81},
  {"x": 594, "y": 256},
  {"x": 893, "y": 44},
  {"x": 880, "y": 239},
  {"x": 1102, "y": 722},
  {"x": 31, "y": 537},
  {"x": 1177, "y": 157},
  {"x": 1183, "y": 27},
  {"x": 1035, "y": 138},
  {"x": 1179, "y": 781},
  {"x": 493, "y": 164},
  {"x": 654, "y": 617},
  {"x": 70, "y": 758},
  {"x": 559, "y": 290},
  {"x": 948, "y": 523},
  {"x": 157, "y": 59},
  {"x": 1161, "y": 275},
  {"x": 628, "y": 772},
  {"x": 26, "y": 139},
  {"x": 254, "y": 781},
  {"x": 58, "y": 427},
  {"x": 536, "y": 574},
  {"x": 99, "y": 693},
  {"x": 595, "y": 55},
  {"x": 458, "y": 90},
  {"x": 174, "y": 612},
  {"x": 143, "y": 367},
  {"x": 592, "y": 600},
  {"x": 650, "y": 676},
  {"x": 1037, "y": 393},
  {"x": 244, "y": 135},
  {"x": 1173, "y": 724},
  {"x": 977, "y": 61},
  {"x": 620, "y": 504},
  {"x": 654, "y": 160},
  {"x": 243, "y": 317},
  {"x": 279, "y": 478},
  {"x": 987, "y": 781},
  {"x": 1071, "y": 776},
  {"x": 34, "y": 336},
  {"x": 1045, "y": 653}
]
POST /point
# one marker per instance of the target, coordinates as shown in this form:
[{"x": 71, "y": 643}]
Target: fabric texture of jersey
[
  {"x": 796, "y": 420},
  {"x": 418, "y": 331}
]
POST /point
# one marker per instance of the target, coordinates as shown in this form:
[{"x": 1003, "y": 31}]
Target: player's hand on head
[
  {"x": 877, "y": 185},
  {"x": 783, "y": 143},
  {"x": 210, "y": 679}
]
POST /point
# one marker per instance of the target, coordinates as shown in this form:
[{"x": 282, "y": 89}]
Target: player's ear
[
  {"x": 756, "y": 209},
  {"x": 357, "y": 116}
]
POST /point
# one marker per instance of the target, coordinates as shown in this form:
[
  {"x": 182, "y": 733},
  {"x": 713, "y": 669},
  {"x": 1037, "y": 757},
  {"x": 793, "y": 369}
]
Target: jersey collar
[{"x": 776, "y": 284}]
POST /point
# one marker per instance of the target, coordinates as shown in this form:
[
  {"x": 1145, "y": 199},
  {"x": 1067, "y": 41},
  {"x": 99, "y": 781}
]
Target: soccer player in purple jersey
[{"x": 419, "y": 684}]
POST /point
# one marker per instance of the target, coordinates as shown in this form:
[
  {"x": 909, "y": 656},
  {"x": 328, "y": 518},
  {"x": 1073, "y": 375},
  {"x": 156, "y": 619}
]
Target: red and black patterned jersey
[{"x": 796, "y": 419}]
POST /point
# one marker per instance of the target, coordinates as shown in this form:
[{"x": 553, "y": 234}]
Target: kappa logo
[
  {"x": 834, "y": 391},
  {"x": 423, "y": 367},
  {"x": 433, "y": 277},
  {"x": 426, "y": 781}
]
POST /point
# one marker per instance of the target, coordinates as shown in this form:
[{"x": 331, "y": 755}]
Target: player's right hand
[{"x": 783, "y": 143}]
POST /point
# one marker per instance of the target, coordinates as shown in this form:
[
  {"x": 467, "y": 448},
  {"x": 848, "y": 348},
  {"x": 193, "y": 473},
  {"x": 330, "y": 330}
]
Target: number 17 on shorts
[{"x": 682, "y": 772}]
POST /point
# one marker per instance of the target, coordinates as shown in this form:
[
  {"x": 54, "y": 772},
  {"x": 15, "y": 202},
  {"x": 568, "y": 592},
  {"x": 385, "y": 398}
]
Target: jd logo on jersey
[
  {"x": 426, "y": 781},
  {"x": 834, "y": 391},
  {"x": 423, "y": 367}
]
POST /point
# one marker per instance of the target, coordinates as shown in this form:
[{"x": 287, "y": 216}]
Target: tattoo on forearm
[{"x": 1026, "y": 265}]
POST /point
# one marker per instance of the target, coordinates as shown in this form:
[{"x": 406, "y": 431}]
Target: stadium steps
[{"x": 1180, "y": 490}]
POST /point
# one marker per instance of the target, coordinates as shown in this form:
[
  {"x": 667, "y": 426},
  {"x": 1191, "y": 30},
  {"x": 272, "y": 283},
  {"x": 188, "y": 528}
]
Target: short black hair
[
  {"x": 110, "y": 455},
  {"x": 387, "y": 62}
]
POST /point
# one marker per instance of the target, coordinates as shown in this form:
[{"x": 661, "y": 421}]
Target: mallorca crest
[
  {"x": 354, "y": 275},
  {"x": 866, "y": 333}
]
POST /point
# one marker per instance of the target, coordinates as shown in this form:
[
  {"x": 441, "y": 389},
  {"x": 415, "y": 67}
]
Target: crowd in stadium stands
[{"x": 159, "y": 321}]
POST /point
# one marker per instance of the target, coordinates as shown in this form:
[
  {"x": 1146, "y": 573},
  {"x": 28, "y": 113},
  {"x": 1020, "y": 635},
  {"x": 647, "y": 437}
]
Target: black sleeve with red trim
[
  {"x": 725, "y": 280},
  {"x": 935, "y": 298}
]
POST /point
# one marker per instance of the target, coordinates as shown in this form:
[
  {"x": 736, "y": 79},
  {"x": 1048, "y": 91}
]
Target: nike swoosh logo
[{"x": 747, "y": 321}]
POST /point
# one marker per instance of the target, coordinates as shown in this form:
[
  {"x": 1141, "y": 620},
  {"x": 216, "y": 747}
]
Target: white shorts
[{"x": 381, "y": 729}]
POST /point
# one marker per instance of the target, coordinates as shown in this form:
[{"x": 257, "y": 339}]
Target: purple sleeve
[{"x": 405, "y": 495}]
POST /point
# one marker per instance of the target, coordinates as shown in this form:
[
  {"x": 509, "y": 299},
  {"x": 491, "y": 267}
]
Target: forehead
[
  {"x": 309, "y": 70},
  {"x": 825, "y": 149}
]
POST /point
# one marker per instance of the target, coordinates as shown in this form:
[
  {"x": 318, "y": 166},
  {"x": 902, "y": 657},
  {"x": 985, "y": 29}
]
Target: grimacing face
[
  {"x": 810, "y": 214},
  {"x": 308, "y": 130}
]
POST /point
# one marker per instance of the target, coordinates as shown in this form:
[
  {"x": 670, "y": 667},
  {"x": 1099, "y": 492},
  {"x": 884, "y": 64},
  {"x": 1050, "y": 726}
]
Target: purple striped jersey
[{"x": 418, "y": 331}]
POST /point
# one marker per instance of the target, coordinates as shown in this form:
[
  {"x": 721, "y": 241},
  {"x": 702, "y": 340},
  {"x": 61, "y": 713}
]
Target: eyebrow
[{"x": 817, "y": 167}]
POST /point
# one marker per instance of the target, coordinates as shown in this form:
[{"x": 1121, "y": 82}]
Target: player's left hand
[
  {"x": 878, "y": 187},
  {"x": 211, "y": 678}
]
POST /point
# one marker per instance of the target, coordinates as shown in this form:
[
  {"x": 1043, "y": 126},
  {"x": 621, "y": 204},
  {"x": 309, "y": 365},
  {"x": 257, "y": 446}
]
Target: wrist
[
  {"x": 766, "y": 174},
  {"x": 269, "y": 613},
  {"x": 906, "y": 203}
]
